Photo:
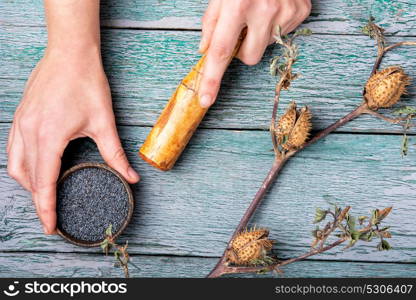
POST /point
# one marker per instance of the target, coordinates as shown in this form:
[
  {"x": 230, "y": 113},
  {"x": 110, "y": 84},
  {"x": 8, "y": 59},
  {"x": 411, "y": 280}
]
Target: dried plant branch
[
  {"x": 387, "y": 119},
  {"x": 341, "y": 221},
  {"x": 121, "y": 255},
  {"x": 290, "y": 52}
]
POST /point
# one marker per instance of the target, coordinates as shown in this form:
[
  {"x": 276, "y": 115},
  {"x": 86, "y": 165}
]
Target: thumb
[{"x": 111, "y": 150}]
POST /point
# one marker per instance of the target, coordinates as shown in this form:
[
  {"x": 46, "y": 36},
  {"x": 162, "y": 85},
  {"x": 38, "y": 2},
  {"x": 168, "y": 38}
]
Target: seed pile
[{"x": 88, "y": 201}]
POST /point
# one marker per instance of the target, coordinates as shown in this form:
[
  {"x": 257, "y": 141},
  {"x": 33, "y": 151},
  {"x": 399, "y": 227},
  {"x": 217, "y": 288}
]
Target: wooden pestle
[{"x": 177, "y": 122}]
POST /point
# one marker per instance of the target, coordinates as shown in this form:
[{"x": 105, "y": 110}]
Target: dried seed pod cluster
[
  {"x": 249, "y": 246},
  {"x": 294, "y": 127},
  {"x": 385, "y": 87}
]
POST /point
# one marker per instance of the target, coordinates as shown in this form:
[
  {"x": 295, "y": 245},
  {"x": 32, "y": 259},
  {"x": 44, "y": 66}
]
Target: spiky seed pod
[
  {"x": 294, "y": 127},
  {"x": 248, "y": 236},
  {"x": 287, "y": 121},
  {"x": 300, "y": 131},
  {"x": 385, "y": 87},
  {"x": 249, "y": 246}
]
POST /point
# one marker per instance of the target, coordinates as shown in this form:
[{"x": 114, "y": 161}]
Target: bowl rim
[{"x": 131, "y": 203}]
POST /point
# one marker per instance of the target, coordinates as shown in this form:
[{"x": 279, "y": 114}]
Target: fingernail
[
  {"x": 133, "y": 174},
  {"x": 205, "y": 101},
  {"x": 47, "y": 231}
]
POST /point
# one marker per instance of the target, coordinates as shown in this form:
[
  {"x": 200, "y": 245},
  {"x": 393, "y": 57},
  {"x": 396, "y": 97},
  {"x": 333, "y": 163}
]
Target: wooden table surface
[{"x": 184, "y": 217}]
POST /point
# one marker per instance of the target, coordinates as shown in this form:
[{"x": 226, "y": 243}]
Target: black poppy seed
[{"x": 88, "y": 201}]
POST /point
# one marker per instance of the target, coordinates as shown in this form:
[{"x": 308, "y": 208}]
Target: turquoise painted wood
[
  {"x": 328, "y": 16},
  {"x": 144, "y": 68},
  {"x": 98, "y": 265},
  {"x": 193, "y": 209},
  {"x": 184, "y": 217}
]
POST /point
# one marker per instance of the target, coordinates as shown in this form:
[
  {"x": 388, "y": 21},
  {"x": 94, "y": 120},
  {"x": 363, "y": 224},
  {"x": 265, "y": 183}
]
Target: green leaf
[
  {"x": 273, "y": 65},
  {"x": 361, "y": 219},
  {"x": 303, "y": 31},
  {"x": 366, "y": 30},
  {"x": 383, "y": 245},
  {"x": 405, "y": 145},
  {"x": 109, "y": 230},
  {"x": 366, "y": 237},
  {"x": 351, "y": 223},
  {"x": 104, "y": 244},
  {"x": 281, "y": 68},
  {"x": 352, "y": 242},
  {"x": 374, "y": 217},
  {"x": 278, "y": 35},
  {"x": 406, "y": 110},
  {"x": 355, "y": 235},
  {"x": 320, "y": 215}
]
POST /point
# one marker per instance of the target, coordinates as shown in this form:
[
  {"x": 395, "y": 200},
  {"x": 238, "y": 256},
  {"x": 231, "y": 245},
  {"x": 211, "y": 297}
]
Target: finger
[
  {"x": 11, "y": 137},
  {"x": 209, "y": 21},
  {"x": 111, "y": 150},
  {"x": 30, "y": 143},
  {"x": 220, "y": 50},
  {"x": 290, "y": 21},
  {"x": 254, "y": 44},
  {"x": 48, "y": 164},
  {"x": 16, "y": 161}
]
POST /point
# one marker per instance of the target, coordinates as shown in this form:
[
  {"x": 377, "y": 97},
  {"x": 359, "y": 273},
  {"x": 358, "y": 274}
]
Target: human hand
[
  {"x": 66, "y": 97},
  {"x": 221, "y": 27}
]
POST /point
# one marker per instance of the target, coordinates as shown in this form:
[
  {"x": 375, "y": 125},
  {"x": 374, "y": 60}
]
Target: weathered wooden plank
[
  {"x": 193, "y": 209},
  {"x": 97, "y": 266},
  {"x": 338, "y": 16},
  {"x": 144, "y": 68}
]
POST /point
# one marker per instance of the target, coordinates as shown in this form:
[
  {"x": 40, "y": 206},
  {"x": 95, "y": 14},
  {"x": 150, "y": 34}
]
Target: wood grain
[
  {"x": 184, "y": 218},
  {"x": 328, "y": 16},
  {"x": 144, "y": 68},
  {"x": 100, "y": 266},
  {"x": 193, "y": 209}
]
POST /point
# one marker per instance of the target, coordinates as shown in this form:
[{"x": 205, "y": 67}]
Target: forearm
[{"x": 73, "y": 25}]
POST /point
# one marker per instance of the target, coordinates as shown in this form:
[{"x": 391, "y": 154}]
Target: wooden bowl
[{"x": 130, "y": 204}]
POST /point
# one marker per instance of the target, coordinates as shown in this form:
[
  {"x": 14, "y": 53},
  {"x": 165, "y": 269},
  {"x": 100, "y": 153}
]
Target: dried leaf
[
  {"x": 384, "y": 213},
  {"x": 385, "y": 234}
]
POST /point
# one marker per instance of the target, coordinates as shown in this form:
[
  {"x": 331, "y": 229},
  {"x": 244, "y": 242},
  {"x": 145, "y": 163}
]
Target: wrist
[
  {"x": 77, "y": 52},
  {"x": 73, "y": 27}
]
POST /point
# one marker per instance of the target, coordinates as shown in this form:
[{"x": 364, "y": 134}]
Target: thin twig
[
  {"x": 273, "y": 120},
  {"x": 384, "y": 118},
  {"x": 383, "y": 50},
  {"x": 347, "y": 118},
  {"x": 280, "y": 85}
]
